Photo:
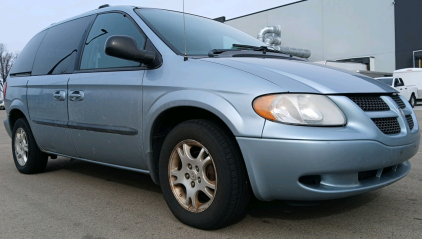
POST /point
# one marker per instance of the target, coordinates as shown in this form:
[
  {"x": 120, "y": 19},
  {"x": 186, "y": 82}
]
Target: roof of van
[
  {"x": 408, "y": 70},
  {"x": 379, "y": 78},
  {"x": 124, "y": 8}
]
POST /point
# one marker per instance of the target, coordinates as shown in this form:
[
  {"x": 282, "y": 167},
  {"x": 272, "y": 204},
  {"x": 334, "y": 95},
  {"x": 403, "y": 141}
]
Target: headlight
[{"x": 299, "y": 109}]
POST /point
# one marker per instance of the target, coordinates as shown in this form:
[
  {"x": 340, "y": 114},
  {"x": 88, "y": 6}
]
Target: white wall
[{"x": 332, "y": 29}]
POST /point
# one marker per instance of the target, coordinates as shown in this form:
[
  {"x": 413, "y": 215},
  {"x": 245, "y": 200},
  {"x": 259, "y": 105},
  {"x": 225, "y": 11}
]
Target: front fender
[{"x": 241, "y": 120}]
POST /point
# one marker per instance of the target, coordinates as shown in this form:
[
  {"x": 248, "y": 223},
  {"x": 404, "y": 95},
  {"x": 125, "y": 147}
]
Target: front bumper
[{"x": 289, "y": 169}]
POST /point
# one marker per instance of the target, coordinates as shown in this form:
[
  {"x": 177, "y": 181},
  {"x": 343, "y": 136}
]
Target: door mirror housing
[{"x": 125, "y": 47}]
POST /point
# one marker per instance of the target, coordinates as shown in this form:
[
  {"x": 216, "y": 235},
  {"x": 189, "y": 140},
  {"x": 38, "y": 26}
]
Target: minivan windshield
[{"x": 202, "y": 34}]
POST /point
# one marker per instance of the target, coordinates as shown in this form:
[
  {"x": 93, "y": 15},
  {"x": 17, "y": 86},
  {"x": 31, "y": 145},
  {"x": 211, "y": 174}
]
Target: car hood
[{"x": 314, "y": 78}]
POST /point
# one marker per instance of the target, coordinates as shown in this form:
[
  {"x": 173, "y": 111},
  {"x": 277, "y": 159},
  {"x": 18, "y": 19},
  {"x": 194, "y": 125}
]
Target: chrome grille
[
  {"x": 410, "y": 121},
  {"x": 398, "y": 101},
  {"x": 370, "y": 103},
  {"x": 388, "y": 125}
]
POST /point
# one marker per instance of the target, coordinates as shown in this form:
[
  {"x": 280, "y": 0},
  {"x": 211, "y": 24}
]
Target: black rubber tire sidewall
[
  {"x": 412, "y": 98},
  {"x": 221, "y": 212},
  {"x": 37, "y": 160}
]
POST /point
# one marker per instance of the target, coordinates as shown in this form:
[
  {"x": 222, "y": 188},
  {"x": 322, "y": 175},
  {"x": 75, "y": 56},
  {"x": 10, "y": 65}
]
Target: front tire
[
  {"x": 27, "y": 156},
  {"x": 412, "y": 100},
  {"x": 202, "y": 175}
]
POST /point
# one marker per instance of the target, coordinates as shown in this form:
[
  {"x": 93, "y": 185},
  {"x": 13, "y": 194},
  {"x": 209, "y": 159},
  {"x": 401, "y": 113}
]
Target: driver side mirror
[{"x": 125, "y": 47}]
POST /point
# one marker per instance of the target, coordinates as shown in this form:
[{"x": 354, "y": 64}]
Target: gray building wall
[{"x": 332, "y": 29}]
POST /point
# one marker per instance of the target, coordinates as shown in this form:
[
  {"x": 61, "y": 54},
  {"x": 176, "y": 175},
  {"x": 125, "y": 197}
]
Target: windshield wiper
[
  {"x": 219, "y": 51},
  {"x": 264, "y": 49},
  {"x": 240, "y": 47}
]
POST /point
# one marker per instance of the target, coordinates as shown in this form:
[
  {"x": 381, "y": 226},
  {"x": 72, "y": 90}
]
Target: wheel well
[
  {"x": 167, "y": 120},
  {"x": 14, "y": 115}
]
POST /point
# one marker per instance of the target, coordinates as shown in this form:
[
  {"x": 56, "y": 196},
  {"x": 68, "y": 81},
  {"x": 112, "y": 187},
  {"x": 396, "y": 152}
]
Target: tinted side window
[
  {"x": 26, "y": 58},
  {"x": 107, "y": 25},
  {"x": 58, "y": 51}
]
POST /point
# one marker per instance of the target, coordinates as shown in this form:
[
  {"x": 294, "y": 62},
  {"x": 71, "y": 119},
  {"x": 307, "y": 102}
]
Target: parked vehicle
[
  {"x": 355, "y": 67},
  {"x": 210, "y": 125},
  {"x": 1, "y": 96},
  {"x": 411, "y": 76},
  {"x": 408, "y": 91}
]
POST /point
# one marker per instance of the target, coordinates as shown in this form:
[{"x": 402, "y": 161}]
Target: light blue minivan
[{"x": 211, "y": 121}]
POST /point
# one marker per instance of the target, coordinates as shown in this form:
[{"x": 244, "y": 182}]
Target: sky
[{"x": 20, "y": 20}]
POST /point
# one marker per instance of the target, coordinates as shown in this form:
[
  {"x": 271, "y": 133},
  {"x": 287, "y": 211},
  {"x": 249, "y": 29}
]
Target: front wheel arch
[{"x": 166, "y": 121}]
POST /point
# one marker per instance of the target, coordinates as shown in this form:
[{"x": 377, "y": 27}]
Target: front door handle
[
  {"x": 59, "y": 95},
  {"x": 76, "y": 95}
]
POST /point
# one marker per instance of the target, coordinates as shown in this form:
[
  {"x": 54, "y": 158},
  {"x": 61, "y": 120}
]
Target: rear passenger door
[
  {"x": 105, "y": 104},
  {"x": 47, "y": 96}
]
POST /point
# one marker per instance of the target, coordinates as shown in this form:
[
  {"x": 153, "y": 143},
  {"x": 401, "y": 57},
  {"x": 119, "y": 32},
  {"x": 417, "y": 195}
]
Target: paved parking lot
[{"x": 74, "y": 199}]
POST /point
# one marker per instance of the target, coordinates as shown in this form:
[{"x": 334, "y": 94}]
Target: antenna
[{"x": 184, "y": 31}]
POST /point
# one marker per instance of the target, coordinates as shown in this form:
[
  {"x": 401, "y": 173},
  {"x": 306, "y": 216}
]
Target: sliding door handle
[
  {"x": 76, "y": 95},
  {"x": 59, "y": 95}
]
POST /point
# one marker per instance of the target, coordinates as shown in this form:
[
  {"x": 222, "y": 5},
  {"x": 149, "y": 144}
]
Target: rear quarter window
[{"x": 26, "y": 58}]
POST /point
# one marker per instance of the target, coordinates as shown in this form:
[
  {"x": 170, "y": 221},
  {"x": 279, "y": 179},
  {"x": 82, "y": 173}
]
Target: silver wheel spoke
[
  {"x": 185, "y": 156},
  {"x": 208, "y": 193},
  {"x": 191, "y": 196},
  {"x": 25, "y": 147},
  {"x": 186, "y": 151},
  {"x": 181, "y": 155},
  {"x": 205, "y": 162},
  {"x": 201, "y": 154},
  {"x": 175, "y": 173},
  {"x": 179, "y": 175},
  {"x": 209, "y": 184}
]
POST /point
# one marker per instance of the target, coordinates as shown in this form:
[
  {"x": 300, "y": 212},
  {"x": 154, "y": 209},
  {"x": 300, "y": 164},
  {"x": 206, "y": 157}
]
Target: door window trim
[
  {"x": 112, "y": 69},
  {"x": 89, "y": 25}
]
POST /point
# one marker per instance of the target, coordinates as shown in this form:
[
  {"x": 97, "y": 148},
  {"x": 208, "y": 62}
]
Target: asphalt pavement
[{"x": 75, "y": 199}]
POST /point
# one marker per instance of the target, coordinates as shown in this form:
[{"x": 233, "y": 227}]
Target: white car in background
[
  {"x": 1, "y": 97},
  {"x": 410, "y": 92}
]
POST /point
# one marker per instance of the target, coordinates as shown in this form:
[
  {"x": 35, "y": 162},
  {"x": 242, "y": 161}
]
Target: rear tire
[
  {"x": 206, "y": 199},
  {"x": 412, "y": 100},
  {"x": 28, "y": 157}
]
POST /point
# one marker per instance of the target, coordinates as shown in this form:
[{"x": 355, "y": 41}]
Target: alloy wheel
[
  {"x": 192, "y": 176},
  {"x": 21, "y": 147}
]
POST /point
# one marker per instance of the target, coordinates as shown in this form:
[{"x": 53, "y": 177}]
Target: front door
[{"x": 105, "y": 97}]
